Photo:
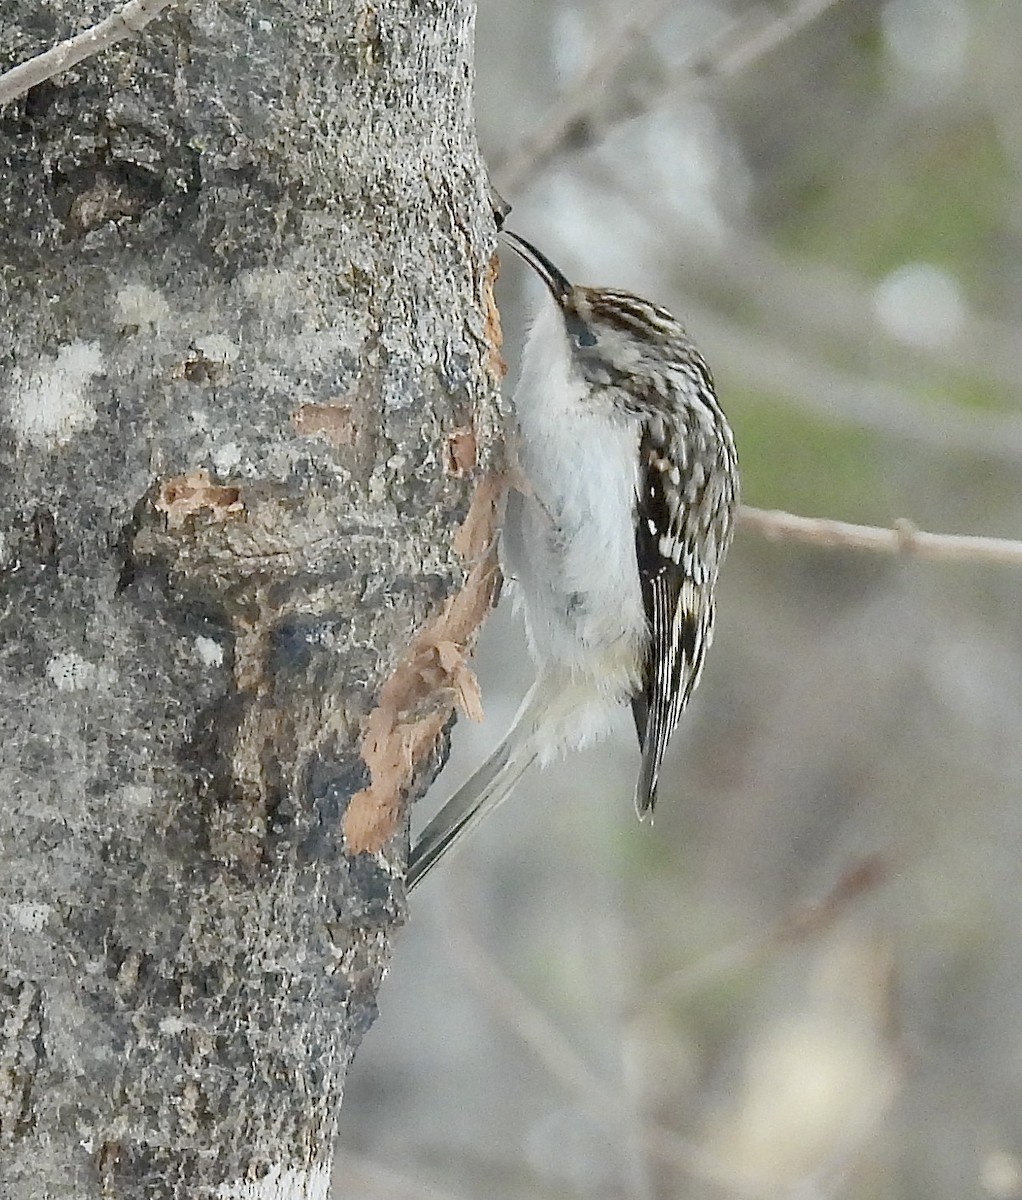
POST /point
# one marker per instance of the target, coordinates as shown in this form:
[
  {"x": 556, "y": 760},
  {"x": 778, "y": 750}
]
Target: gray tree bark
[{"x": 248, "y": 377}]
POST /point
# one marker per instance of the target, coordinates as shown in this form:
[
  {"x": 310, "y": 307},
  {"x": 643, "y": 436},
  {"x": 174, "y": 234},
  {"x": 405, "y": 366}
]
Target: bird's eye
[{"x": 580, "y": 332}]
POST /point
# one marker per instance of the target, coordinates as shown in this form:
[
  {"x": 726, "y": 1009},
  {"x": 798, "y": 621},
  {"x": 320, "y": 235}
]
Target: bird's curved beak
[{"x": 559, "y": 287}]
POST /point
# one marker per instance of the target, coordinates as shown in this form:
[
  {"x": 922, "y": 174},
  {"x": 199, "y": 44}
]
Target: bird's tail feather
[{"x": 485, "y": 790}]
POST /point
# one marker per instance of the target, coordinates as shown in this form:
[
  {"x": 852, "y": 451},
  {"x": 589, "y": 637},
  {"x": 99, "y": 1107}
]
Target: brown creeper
[{"x": 615, "y": 539}]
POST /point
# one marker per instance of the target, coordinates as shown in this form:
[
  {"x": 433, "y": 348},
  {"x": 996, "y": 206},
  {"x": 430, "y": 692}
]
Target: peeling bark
[
  {"x": 249, "y": 482},
  {"x": 403, "y": 728}
]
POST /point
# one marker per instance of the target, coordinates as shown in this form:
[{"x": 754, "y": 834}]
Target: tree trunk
[{"x": 247, "y": 429}]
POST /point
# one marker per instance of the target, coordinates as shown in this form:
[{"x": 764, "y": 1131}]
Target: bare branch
[
  {"x": 795, "y": 295},
  {"x": 743, "y": 45},
  {"x": 520, "y": 1014},
  {"x": 733, "y": 50},
  {"x": 801, "y": 923},
  {"x": 833, "y": 394},
  {"x": 125, "y": 23},
  {"x": 903, "y": 538},
  {"x": 538, "y": 147},
  {"x": 594, "y": 1095}
]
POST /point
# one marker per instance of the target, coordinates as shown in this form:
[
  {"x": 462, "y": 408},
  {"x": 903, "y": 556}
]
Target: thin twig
[
  {"x": 903, "y": 538},
  {"x": 797, "y": 293},
  {"x": 733, "y": 50},
  {"x": 126, "y": 22},
  {"x": 524, "y": 1018},
  {"x": 739, "y": 47},
  {"x": 799, "y": 297},
  {"x": 593, "y": 1094},
  {"x": 518, "y": 166},
  {"x": 801, "y": 923},
  {"x": 771, "y": 367},
  {"x": 504, "y": 997}
]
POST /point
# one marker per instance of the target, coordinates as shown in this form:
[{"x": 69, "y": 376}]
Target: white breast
[{"x": 570, "y": 544}]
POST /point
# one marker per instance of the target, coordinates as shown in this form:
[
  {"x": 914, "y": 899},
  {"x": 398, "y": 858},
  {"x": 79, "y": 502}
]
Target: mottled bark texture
[{"x": 248, "y": 378}]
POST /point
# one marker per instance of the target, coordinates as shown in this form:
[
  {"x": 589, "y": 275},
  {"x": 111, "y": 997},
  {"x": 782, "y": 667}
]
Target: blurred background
[{"x": 805, "y": 981}]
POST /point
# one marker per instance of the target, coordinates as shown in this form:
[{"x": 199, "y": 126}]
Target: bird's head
[{"x": 618, "y": 341}]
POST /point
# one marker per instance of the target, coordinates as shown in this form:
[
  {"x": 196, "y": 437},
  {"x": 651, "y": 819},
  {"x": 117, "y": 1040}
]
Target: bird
[{"x": 622, "y": 514}]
